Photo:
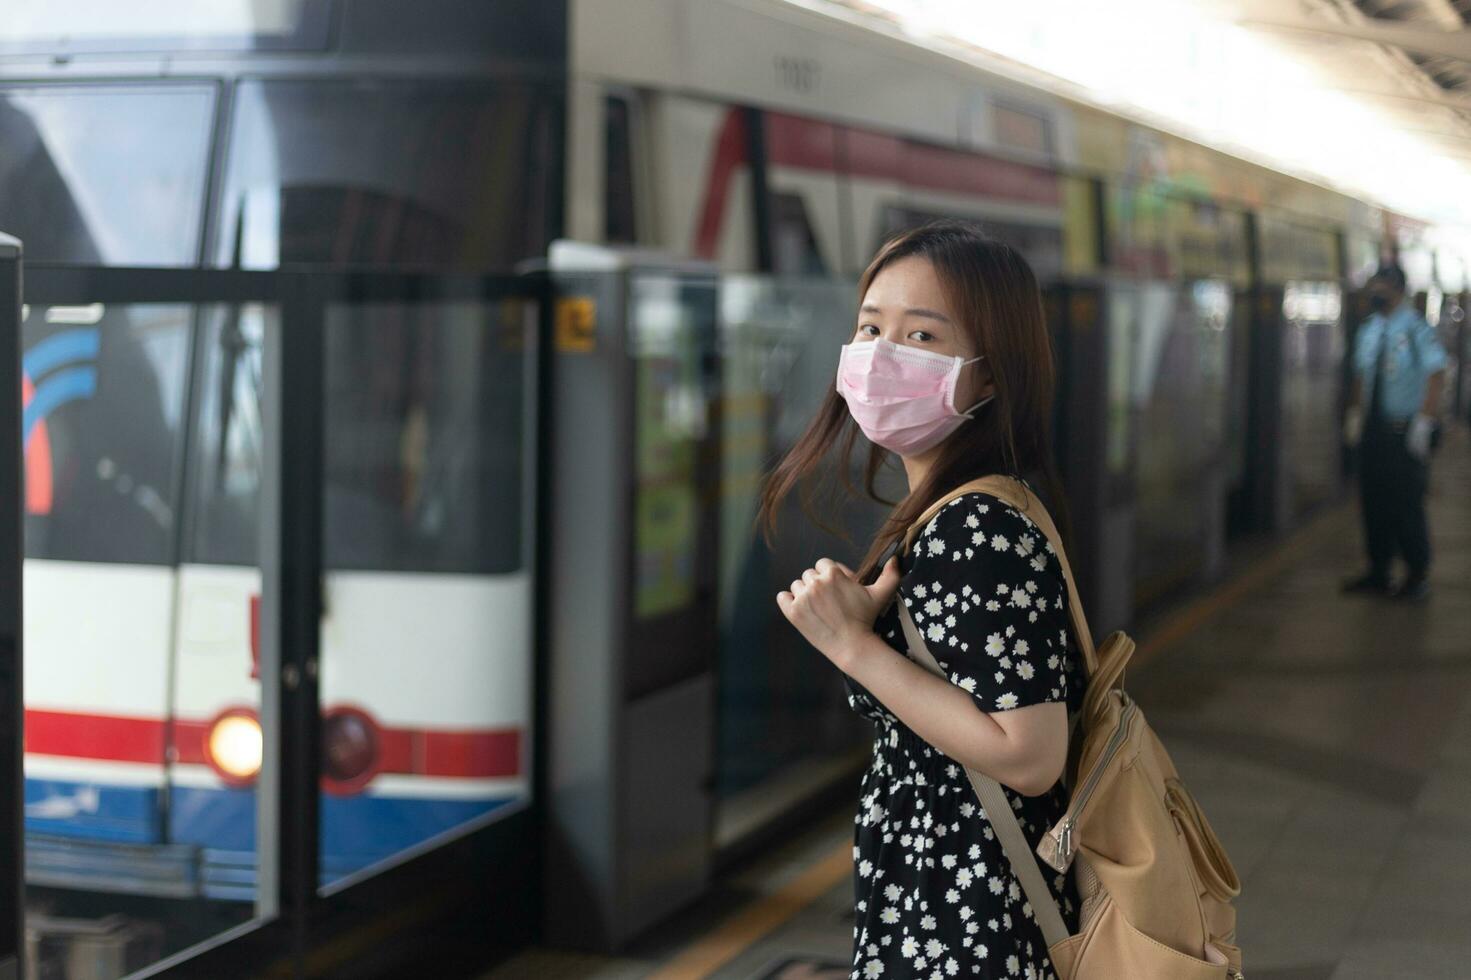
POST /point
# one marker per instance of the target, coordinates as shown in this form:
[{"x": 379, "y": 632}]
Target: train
[{"x": 779, "y": 141}]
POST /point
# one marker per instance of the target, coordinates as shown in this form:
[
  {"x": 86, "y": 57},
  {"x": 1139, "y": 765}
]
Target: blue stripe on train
[
  {"x": 365, "y": 828},
  {"x": 123, "y": 814},
  {"x": 356, "y": 830}
]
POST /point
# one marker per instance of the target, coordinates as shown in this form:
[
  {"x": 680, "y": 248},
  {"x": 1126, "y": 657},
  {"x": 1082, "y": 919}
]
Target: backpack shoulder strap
[
  {"x": 1014, "y": 493},
  {"x": 1000, "y": 814}
]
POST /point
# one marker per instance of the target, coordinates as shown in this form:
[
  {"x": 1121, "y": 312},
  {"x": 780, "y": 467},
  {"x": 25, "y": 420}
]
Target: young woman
[{"x": 950, "y": 369}]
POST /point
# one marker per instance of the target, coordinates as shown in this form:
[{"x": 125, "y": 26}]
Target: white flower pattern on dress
[{"x": 930, "y": 878}]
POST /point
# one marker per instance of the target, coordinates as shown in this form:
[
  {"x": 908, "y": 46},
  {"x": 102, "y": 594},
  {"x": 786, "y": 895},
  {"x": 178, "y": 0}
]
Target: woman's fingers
[{"x": 797, "y": 587}]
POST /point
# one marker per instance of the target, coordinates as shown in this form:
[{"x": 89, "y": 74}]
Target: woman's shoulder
[
  {"x": 979, "y": 537},
  {"x": 976, "y": 519}
]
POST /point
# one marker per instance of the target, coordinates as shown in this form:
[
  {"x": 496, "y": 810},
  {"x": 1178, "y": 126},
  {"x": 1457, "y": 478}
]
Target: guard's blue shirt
[{"x": 1411, "y": 353}]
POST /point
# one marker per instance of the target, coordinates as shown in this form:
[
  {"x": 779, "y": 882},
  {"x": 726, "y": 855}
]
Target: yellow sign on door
[{"x": 576, "y": 324}]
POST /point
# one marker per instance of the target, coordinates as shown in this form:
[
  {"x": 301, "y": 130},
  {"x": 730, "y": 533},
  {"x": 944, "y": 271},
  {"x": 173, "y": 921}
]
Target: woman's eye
[
  {"x": 922, "y": 336},
  {"x": 869, "y": 330}
]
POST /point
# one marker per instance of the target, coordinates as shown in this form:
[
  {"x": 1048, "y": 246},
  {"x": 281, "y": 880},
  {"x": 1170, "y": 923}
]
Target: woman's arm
[
  {"x": 1024, "y": 748},
  {"x": 988, "y": 596}
]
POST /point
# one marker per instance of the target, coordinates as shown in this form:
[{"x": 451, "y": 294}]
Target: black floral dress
[{"x": 934, "y": 895}]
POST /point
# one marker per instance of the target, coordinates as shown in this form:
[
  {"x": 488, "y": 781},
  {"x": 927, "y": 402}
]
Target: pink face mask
[{"x": 902, "y": 398}]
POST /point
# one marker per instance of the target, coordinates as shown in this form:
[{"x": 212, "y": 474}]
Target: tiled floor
[{"x": 1328, "y": 738}]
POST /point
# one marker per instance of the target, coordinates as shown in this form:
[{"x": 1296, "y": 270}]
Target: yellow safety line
[
  {"x": 736, "y": 934},
  {"x": 763, "y": 915}
]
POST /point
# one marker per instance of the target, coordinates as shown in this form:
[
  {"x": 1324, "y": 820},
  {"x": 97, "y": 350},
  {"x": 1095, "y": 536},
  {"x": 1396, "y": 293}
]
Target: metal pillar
[{"x": 12, "y": 707}]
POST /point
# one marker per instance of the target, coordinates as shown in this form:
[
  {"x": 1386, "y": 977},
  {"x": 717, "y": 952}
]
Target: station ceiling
[{"x": 1370, "y": 96}]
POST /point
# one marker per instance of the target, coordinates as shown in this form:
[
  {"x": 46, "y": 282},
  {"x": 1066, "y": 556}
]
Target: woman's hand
[{"x": 832, "y": 610}]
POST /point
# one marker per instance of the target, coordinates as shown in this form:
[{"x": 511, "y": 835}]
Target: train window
[
  {"x": 225, "y": 458},
  {"x": 1040, "y": 244},
  {"x": 794, "y": 246},
  {"x": 105, "y": 174},
  {"x": 437, "y": 175},
  {"x": 104, "y": 394},
  {"x": 424, "y": 445},
  {"x": 619, "y": 223},
  {"x": 1022, "y": 129}
]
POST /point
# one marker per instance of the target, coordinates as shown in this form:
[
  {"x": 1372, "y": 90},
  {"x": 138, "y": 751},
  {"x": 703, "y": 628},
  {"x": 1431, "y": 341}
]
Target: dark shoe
[
  {"x": 1413, "y": 590},
  {"x": 1370, "y": 583}
]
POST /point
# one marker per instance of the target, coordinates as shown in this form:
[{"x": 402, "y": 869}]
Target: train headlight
[
  {"x": 350, "y": 744},
  {"x": 234, "y": 747}
]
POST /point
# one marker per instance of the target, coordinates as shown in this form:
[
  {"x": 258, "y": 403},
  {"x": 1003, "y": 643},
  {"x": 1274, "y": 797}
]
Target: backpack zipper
[{"x": 1080, "y": 801}]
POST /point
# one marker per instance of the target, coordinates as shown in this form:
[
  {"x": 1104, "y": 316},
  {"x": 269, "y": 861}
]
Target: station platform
[{"x": 1327, "y": 737}]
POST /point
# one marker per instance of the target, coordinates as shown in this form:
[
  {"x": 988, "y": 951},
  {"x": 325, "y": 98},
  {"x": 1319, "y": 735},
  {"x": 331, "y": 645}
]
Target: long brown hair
[{"x": 994, "y": 293}]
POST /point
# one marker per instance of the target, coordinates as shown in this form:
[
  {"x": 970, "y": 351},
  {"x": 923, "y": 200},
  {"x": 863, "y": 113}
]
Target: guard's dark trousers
[{"x": 1393, "y": 484}]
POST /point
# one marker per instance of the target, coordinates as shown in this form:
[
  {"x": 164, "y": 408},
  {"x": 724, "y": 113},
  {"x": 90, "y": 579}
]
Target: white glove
[
  {"x": 1353, "y": 426},
  {"x": 1417, "y": 439}
]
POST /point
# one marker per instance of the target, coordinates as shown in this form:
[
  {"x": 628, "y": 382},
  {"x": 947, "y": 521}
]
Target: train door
[{"x": 425, "y": 635}]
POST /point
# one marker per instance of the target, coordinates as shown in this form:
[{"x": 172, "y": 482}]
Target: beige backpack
[{"x": 1155, "y": 883}]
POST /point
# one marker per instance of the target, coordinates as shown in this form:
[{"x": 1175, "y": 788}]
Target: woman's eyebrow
[{"x": 912, "y": 311}]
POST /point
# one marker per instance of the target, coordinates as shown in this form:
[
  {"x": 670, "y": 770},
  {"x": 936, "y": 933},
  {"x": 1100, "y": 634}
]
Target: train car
[{"x": 337, "y": 135}]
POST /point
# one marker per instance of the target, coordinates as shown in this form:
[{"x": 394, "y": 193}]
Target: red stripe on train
[
  {"x": 464, "y": 754},
  {"x": 792, "y": 141},
  {"x": 730, "y": 152},
  {"x": 808, "y": 144}
]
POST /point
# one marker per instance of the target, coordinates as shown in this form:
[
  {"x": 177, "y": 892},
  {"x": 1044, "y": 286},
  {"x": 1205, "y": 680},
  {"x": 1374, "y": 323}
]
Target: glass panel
[
  {"x": 105, "y": 174},
  {"x": 410, "y": 485},
  {"x": 386, "y": 173},
  {"x": 142, "y": 737},
  {"x": 426, "y": 642},
  {"x": 1294, "y": 251},
  {"x": 1022, "y": 129},
  {"x": 781, "y": 717},
  {"x": 1312, "y": 354},
  {"x": 1179, "y": 390},
  {"x": 216, "y": 677},
  {"x": 1137, "y": 225},
  {"x": 670, "y": 420}
]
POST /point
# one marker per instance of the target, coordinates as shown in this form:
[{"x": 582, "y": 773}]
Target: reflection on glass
[
  {"x": 141, "y": 734},
  {"x": 110, "y": 175},
  {"x": 1312, "y": 355},
  {"x": 1173, "y": 349},
  {"x": 385, "y": 173},
  {"x": 1123, "y": 306},
  {"x": 783, "y": 709},
  {"x": 670, "y": 419}
]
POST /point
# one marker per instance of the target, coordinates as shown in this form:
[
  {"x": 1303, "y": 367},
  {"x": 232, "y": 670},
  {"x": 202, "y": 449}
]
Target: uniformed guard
[{"x": 1400, "y": 365}]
